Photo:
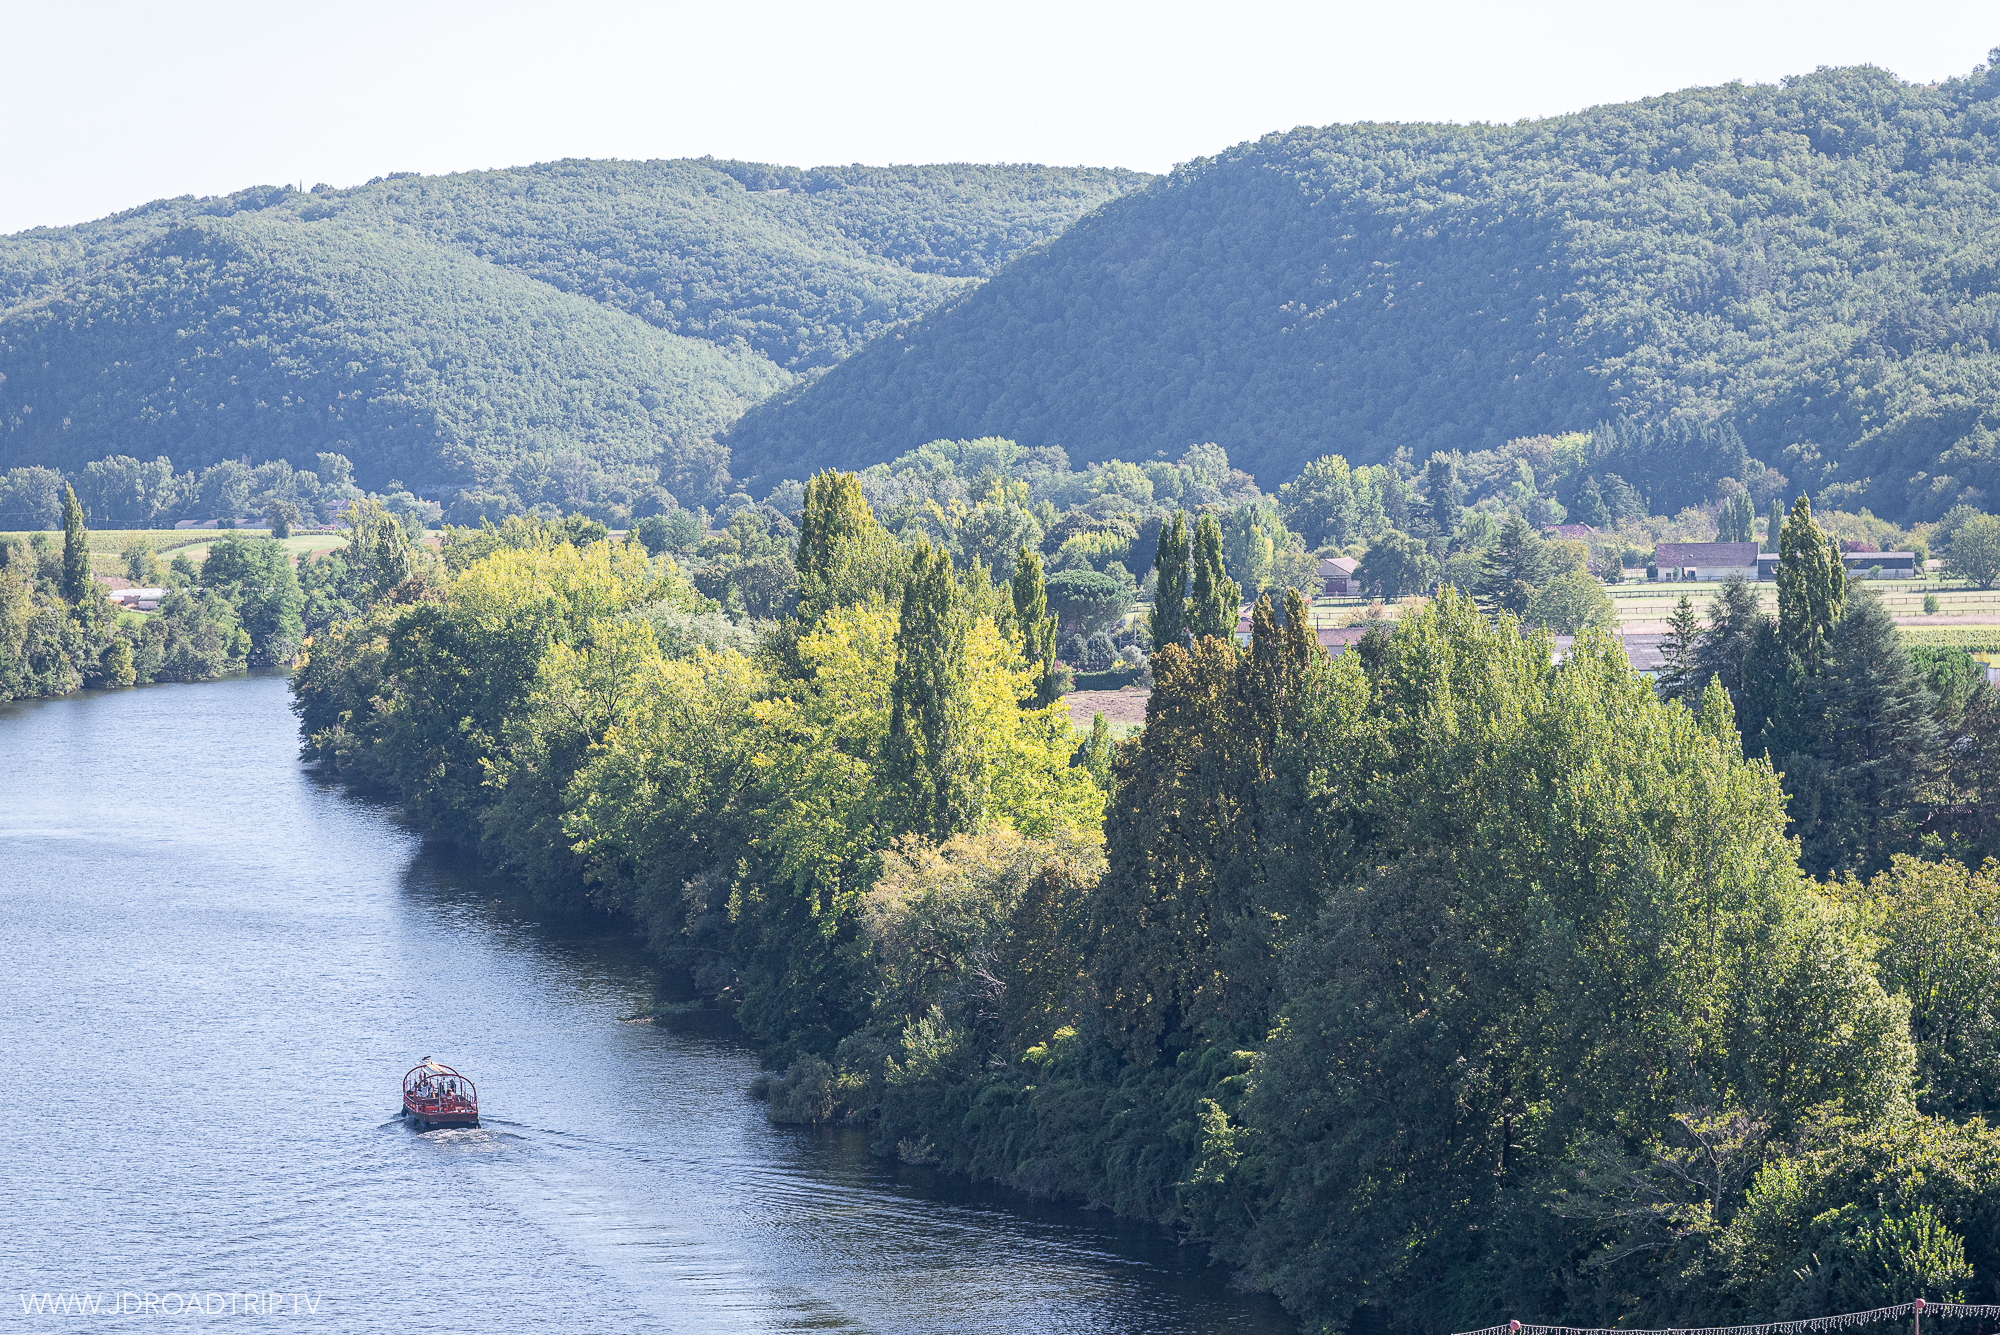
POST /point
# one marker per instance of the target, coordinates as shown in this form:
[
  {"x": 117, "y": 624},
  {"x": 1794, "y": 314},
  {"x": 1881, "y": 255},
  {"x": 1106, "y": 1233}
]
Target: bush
[{"x": 807, "y": 1094}]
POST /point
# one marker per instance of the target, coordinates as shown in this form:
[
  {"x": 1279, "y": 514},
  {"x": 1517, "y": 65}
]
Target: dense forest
[
  {"x": 575, "y": 333},
  {"x": 1813, "y": 261},
  {"x": 1446, "y": 978}
]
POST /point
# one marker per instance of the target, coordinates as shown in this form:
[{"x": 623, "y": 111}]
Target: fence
[{"x": 1915, "y": 1310}]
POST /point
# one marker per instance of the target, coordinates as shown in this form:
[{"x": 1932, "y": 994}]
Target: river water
[{"x": 218, "y": 967}]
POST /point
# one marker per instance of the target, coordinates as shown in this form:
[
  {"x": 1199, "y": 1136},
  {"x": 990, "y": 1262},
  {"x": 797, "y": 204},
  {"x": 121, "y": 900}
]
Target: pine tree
[
  {"x": 1589, "y": 507},
  {"x": 1677, "y": 678},
  {"x": 1168, "y": 620},
  {"x": 76, "y": 549},
  {"x": 1878, "y": 747},
  {"x": 1733, "y": 618},
  {"x": 1214, "y": 600},
  {"x": 1812, "y": 584},
  {"x": 1036, "y": 625},
  {"x": 1518, "y": 564},
  {"x": 930, "y": 763}
]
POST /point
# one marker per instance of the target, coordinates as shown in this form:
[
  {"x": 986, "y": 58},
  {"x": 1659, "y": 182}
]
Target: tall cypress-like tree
[
  {"x": 1036, "y": 623},
  {"x": 1772, "y": 524},
  {"x": 76, "y": 549},
  {"x": 1812, "y": 585},
  {"x": 934, "y": 770},
  {"x": 1736, "y": 522},
  {"x": 1214, "y": 600},
  {"x": 1169, "y": 618},
  {"x": 1444, "y": 493}
]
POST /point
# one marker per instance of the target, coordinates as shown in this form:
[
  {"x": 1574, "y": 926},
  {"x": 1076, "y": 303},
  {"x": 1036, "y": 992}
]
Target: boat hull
[{"x": 426, "y": 1118}]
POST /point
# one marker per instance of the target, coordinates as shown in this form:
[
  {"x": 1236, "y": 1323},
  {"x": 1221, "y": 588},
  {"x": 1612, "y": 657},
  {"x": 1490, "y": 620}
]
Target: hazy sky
[{"x": 108, "y": 105}]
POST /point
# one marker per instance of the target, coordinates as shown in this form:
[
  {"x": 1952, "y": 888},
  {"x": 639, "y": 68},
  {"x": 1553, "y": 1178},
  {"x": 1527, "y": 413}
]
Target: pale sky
[{"x": 106, "y": 106}]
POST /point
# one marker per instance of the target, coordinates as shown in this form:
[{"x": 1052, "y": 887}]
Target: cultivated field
[{"x": 193, "y": 543}]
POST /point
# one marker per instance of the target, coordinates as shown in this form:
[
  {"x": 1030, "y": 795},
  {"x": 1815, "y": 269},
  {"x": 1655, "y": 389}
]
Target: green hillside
[
  {"x": 535, "y": 334},
  {"x": 1815, "y": 261}
]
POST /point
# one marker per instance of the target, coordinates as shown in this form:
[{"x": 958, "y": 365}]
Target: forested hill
[
  {"x": 491, "y": 329},
  {"x": 1815, "y": 260}
]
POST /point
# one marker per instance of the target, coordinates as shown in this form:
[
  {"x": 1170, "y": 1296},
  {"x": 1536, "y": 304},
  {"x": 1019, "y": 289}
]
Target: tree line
[{"x": 1439, "y": 980}]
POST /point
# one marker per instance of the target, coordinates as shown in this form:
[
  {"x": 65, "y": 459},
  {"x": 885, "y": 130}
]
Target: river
[{"x": 218, "y": 967}]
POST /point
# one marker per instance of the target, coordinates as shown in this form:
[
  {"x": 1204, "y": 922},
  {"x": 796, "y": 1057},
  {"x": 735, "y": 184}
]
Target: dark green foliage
[
  {"x": 405, "y": 323},
  {"x": 1444, "y": 495},
  {"x": 1588, "y": 506},
  {"x": 1214, "y": 600},
  {"x": 76, "y": 549},
  {"x": 1167, "y": 622},
  {"x": 257, "y": 576},
  {"x": 930, "y": 761},
  {"x": 1516, "y": 565},
  {"x": 1861, "y": 792},
  {"x": 1095, "y": 753},
  {"x": 677, "y": 532},
  {"x": 203, "y": 636},
  {"x": 31, "y": 498},
  {"x": 1668, "y": 466},
  {"x": 1870, "y": 749},
  {"x": 1812, "y": 583},
  {"x": 1679, "y": 677},
  {"x": 1084, "y": 601},
  {"x": 1713, "y": 254},
  {"x": 1397, "y": 566},
  {"x": 1736, "y": 522},
  {"x": 1329, "y": 503},
  {"x": 748, "y": 568},
  {"x": 1733, "y": 618}
]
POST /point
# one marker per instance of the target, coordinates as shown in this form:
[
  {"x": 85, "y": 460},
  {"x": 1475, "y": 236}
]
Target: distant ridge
[
  {"x": 1816, "y": 261},
  {"x": 535, "y": 333}
]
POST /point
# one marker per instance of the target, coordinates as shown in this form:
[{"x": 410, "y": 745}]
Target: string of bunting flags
[{"x": 1804, "y": 1326}]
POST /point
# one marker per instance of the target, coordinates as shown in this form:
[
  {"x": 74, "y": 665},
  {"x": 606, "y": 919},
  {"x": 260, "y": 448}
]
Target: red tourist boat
[{"x": 436, "y": 1095}]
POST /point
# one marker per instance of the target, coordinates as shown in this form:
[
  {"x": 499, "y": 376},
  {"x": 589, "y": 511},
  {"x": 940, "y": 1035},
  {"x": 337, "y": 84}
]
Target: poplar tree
[
  {"x": 1036, "y": 624},
  {"x": 1444, "y": 493},
  {"x": 1095, "y": 753},
  {"x": 1812, "y": 585},
  {"x": 1214, "y": 601},
  {"x": 1772, "y": 523},
  {"x": 76, "y": 549},
  {"x": 934, "y": 771},
  {"x": 1169, "y": 618},
  {"x": 842, "y": 557}
]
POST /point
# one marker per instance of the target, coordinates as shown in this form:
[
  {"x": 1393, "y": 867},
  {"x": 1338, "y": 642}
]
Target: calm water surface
[{"x": 218, "y": 968}]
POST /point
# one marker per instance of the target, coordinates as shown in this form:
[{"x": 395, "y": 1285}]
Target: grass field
[
  {"x": 1646, "y": 606},
  {"x": 193, "y": 543}
]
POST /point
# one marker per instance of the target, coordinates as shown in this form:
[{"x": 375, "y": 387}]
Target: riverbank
[{"x": 246, "y": 983}]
